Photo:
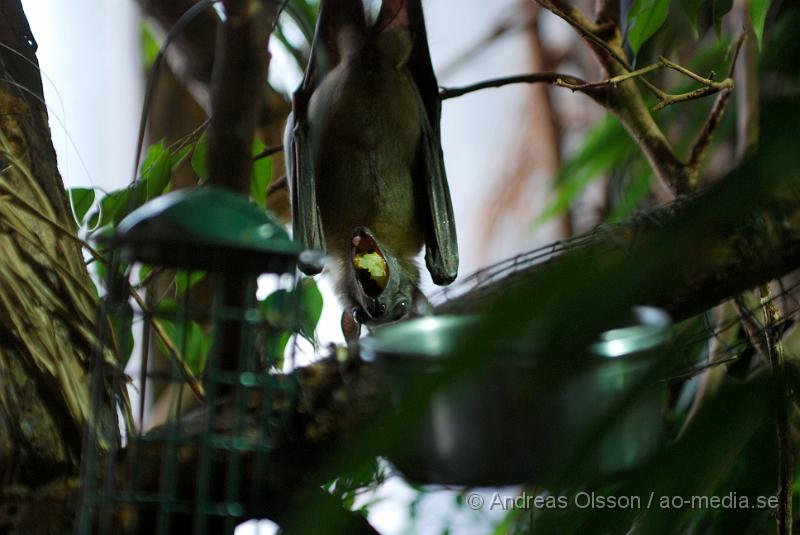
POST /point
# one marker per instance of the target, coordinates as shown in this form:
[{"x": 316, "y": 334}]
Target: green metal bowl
[
  {"x": 515, "y": 423},
  {"x": 206, "y": 228}
]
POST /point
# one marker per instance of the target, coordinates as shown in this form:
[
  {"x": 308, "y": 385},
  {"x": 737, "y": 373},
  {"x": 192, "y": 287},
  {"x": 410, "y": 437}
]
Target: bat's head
[{"x": 382, "y": 288}]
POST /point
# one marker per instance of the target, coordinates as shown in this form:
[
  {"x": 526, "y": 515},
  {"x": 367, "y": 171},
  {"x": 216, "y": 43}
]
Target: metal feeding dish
[
  {"x": 516, "y": 421},
  {"x": 206, "y": 228}
]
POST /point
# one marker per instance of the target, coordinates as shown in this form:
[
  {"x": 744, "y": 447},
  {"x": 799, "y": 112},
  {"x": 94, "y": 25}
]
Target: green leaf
[
  {"x": 261, "y": 175},
  {"x": 180, "y": 155},
  {"x": 607, "y": 146},
  {"x": 199, "y": 158},
  {"x": 273, "y": 347},
  {"x": 297, "y": 311},
  {"x": 144, "y": 272},
  {"x": 81, "y": 200},
  {"x": 149, "y": 45},
  {"x": 758, "y": 14},
  {"x": 166, "y": 309},
  {"x": 113, "y": 207},
  {"x": 719, "y": 8},
  {"x": 636, "y": 190},
  {"x": 156, "y": 169},
  {"x": 691, "y": 8},
  {"x": 310, "y": 306},
  {"x": 278, "y": 309},
  {"x": 646, "y": 17},
  {"x": 191, "y": 340},
  {"x": 198, "y": 345},
  {"x": 184, "y": 280},
  {"x": 122, "y": 323}
]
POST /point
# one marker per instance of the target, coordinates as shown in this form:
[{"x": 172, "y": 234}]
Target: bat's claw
[{"x": 351, "y": 325}]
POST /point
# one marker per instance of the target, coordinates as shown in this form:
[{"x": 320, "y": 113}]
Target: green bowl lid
[{"x": 206, "y": 228}]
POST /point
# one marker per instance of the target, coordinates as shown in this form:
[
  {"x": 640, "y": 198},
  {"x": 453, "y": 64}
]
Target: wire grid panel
[
  {"x": 721, "y": 340},
  {"x": 205, "y": 468},
  {"x": 485, "y": 277}
]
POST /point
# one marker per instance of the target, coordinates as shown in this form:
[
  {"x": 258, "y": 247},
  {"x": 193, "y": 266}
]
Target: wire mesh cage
[{"x": 187, "y": 475}]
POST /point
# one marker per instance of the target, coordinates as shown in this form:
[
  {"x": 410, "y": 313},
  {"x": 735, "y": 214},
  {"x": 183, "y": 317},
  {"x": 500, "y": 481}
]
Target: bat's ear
[
  {"x": 340, "y": 25},
  {"x": 393, "y": 14}
]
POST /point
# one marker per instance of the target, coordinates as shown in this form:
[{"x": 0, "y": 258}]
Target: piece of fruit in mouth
[
  {"x": 372, "y": 271},
  {"x": 374, "y": 264}
]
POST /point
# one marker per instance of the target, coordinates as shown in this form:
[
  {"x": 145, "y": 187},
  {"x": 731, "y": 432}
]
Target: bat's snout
[
  {"x": 376, "y": 309},
  {"x": 381, "y": 287}
]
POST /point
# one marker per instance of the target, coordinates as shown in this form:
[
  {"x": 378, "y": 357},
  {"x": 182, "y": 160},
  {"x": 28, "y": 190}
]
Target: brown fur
[{"x": 368, "y": 104}]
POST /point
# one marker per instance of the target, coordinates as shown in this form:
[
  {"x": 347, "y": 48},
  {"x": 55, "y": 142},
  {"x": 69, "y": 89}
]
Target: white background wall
[{"x": 89, "y": 49}]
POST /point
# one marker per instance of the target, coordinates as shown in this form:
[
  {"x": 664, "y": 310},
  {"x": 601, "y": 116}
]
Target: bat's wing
[
  {"x": 441, "y": 244},
  {"x": 306, "y": 221}
]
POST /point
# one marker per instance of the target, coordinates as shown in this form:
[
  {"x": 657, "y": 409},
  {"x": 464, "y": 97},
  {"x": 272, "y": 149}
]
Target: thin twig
[
  {"x": 786, "y": 459},
  {"x": 269, "y": 151},
  {"x": 534, "y": 78},
  {"x": 277, "y": 185},
  {"x": 149, "y": 278},
  {"x": 610, "y": 81},
  {"x": 696, "y": 370},
  {"x": 589, "y": 31},
  {"x": 699, "y": 93},
  {"x": 592, "y": 89},
  {"x": 703, "y": 140},
  {"x": 174, "y": 352},
  {"x": 711, "y": 87},
  {"x": 686, "y": 72}
]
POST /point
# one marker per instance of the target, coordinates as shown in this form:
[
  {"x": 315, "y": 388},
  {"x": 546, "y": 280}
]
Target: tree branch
[
  {"x": 535, "y": 78},
  {"x": 238, "y": 89},
  {"x": 607, "y": 12},
  {"x": 574, "y": 16},
  {"x": 267, "y": 152},
  {"x": 610, "y": 81},
  {"x": 711, "y": 87},
  {"x": 703, "y": 140},
  {"x": 735, "y": 257},
  {"x": 625, "y": 101},
  {"x": 786, "y": 454}
]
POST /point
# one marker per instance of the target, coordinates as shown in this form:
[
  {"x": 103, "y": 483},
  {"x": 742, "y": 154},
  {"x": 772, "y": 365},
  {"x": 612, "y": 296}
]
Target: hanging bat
[{"x": 365, "y": 164}]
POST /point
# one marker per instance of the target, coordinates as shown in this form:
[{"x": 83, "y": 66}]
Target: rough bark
[
  {"x": 53, "y": 336},
  {"x": 48, "y": 310}
]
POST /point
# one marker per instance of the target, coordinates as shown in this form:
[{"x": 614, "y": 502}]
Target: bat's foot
[{"x": 351, "y": 327}]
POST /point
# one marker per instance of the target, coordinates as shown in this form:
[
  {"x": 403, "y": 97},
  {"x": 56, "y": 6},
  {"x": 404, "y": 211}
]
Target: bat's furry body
[
  {"x": 371, "y": 184},
  {"x": 364, "y": 157}
]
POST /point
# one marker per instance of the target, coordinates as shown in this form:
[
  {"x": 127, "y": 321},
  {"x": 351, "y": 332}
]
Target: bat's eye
[
  {"x": 402, "y": 308},
  {"x": 381, "y": 308}
]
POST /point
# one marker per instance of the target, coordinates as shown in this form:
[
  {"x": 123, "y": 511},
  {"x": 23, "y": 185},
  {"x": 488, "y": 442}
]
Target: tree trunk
[{"x": 48, "y": 306}]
